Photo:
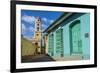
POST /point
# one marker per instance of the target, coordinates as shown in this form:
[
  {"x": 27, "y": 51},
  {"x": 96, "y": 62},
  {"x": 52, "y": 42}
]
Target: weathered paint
[{"x": 84, "y": 29}]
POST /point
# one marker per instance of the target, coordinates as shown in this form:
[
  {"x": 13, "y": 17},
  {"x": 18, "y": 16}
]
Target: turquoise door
[
  {"x": 76, "y": 38},
  {"x": 51, "y": 45},
  {"x": 59, "y": 42}
]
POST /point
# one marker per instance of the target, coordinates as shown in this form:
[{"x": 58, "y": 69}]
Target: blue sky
[{"x": 28, "y": 17}]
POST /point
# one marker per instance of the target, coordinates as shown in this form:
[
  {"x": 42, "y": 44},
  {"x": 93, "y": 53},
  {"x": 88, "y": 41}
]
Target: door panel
[
  {"x": 51, "y": 45},
  {"x": 76, "y": 38},
  {"x": 59, "y": 42}
]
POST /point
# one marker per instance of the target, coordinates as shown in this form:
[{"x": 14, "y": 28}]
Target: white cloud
[
  {"x": 23, "y": 28},
  {"x": 44, "y": 19},
  {"x": 28, "y": 32},
  {"x": 44, "y": 26},
  {"x": 27, "y": 37},
  {"x": 31, "y": 29},
  {"x": 29, "y": 19},
  {"x": 47, "y": 21},
  {"x": 51, "y": 21}
]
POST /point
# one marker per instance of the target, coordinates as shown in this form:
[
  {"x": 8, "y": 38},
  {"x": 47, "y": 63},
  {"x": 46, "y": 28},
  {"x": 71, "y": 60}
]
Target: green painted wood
[
  {"x": 59, "y": 42},
  {"x": 76, "y": 38},
  {"x": 51, "y": 44}
]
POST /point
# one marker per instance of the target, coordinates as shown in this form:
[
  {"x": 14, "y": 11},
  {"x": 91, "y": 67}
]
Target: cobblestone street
[{"x": 37, "y": 58}]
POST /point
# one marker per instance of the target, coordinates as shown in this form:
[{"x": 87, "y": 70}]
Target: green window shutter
[
  {"x": 51, "y": 44},
  {"x": 59, "y": 42}
]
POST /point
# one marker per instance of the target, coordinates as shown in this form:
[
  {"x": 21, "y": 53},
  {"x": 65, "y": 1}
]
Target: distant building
[
  {"x": 45, "y": 43},
  {"x": 37, "y": 35},
  {"x": 68, "y": 37}
]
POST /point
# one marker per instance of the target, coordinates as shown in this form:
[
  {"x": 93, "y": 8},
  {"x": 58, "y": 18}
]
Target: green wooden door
[
  {"x": 51, "y": 45},
  {"x": 59, "y": 42},
  {"x": 76, "y": 38}
]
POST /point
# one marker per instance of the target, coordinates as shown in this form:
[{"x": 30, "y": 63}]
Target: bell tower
[{"x": 37, "y": 34}]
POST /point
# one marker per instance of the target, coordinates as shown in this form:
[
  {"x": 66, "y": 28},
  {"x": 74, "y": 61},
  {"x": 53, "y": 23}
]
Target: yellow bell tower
[{"x": 37, "y": 34}]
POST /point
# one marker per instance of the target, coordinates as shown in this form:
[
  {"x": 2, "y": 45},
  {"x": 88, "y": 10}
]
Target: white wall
[{"x": 5, "y": 37}]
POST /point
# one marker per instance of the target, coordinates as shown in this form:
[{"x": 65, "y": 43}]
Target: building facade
[{"x": 68, "y": 37}]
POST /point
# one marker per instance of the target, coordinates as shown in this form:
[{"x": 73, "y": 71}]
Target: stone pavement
[{"x": 37, "y": 58}]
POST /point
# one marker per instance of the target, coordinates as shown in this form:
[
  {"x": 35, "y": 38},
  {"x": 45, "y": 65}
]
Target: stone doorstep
[{"x": 68, "y": 58}]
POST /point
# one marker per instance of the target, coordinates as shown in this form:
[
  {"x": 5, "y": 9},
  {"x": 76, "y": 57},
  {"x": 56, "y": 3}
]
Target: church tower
[{"x": 37, "y": 34}]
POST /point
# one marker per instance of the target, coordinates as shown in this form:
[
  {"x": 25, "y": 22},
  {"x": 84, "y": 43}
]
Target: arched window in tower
[
  {"x": 38, "y": 20},
  {"x": 37, "y": 24},
  {"x": 37, "y": 28},
  {"x": 37, "y": 34}
]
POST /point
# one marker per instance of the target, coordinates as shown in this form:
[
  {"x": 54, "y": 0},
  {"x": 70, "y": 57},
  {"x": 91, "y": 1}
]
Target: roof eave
[{"x": 57, "y": 22}]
